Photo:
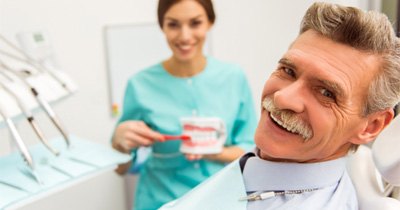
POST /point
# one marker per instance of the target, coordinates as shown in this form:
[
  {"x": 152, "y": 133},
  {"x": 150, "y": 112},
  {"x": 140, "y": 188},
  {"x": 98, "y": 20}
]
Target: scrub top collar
[
  {"x": 263, "y": 175},
  {"x": 203, "y": 73}
]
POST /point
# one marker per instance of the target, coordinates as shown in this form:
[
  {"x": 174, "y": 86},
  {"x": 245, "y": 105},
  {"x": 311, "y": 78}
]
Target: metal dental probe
[
  {"x": 20, "y": 144},
  {"x": 43, "y": 103},
  {"x": 24, "y": 108}
]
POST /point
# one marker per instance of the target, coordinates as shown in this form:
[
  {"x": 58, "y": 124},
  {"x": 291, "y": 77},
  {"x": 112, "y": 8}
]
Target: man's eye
[
  {"x": 327, "y": 93},
  {"x": 289, "y": 71}
]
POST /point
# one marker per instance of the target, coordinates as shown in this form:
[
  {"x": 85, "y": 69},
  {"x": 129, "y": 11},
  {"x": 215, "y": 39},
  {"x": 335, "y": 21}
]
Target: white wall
[
  {"x": 252, "y": 33},
  {"x": 75, "y": 27}
]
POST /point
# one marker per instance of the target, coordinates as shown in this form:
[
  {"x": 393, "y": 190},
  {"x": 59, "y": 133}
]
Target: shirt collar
[{"x": 263, "y": 175}]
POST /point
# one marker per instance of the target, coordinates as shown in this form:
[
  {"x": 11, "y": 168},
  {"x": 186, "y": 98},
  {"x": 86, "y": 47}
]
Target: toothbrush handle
[{"x": 177, "y": 137}]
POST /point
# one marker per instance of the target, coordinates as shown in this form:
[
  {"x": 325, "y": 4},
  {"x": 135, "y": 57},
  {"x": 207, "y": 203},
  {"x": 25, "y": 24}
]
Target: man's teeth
[{"x": 292, "y": 130}]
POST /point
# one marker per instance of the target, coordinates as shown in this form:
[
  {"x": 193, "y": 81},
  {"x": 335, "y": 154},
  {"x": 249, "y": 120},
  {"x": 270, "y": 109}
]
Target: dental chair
[{"x": 375, "y": 171}]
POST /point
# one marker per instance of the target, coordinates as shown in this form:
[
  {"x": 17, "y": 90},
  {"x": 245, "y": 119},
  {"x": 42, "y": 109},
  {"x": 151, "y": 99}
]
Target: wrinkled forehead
[
  {"x": 336, "y": 54},
  {"x": 323, "y": 59}
]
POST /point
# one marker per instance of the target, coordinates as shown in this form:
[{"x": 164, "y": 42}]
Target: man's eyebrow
[
  {"x": 333, "y": 86},
  {"x": 287, "y": 62}
]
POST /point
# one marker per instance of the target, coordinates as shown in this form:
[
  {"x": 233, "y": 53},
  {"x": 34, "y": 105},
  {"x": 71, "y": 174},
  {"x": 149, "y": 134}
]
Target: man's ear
[{"x": 374, "y": 124}]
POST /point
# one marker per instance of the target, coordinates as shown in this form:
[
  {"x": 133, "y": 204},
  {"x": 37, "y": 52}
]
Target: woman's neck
[{"x": 185, "y": 68}]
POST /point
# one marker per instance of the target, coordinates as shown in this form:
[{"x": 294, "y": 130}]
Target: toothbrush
[{"x": 177, "y": 137}]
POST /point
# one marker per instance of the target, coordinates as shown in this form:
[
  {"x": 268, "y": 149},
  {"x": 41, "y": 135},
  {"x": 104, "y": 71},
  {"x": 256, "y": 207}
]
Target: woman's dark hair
[{"x": 164, "y": 5}]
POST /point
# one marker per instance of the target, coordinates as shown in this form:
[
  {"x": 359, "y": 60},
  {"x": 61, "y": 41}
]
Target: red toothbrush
[{"x": 177, "y": 137}]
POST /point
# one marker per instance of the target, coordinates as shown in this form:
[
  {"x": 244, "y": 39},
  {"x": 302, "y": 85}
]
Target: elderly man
[{"x": 334, "y": 89}]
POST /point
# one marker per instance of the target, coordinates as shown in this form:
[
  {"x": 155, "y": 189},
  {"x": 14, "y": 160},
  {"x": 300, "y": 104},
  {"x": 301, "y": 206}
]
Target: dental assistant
[{"x": 185, "y": 85}]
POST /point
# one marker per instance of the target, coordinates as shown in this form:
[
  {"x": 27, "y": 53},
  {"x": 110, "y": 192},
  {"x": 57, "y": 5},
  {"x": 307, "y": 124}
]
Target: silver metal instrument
[{"x": 6, "y": 82}]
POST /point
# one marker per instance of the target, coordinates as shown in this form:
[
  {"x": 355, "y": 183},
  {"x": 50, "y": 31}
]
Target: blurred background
[{"x": 252, "y": 33}]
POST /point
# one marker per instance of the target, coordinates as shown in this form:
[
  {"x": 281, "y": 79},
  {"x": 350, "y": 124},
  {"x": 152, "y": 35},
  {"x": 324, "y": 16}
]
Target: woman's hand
[{"x": 132, "y": 134}]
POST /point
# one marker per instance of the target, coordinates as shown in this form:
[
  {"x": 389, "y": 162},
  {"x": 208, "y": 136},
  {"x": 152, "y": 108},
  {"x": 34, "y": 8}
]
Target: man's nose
[{"x": 291, "y": 97}]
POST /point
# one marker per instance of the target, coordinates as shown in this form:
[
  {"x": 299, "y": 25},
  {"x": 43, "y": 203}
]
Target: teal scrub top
[{"x": 160, "y": 100}]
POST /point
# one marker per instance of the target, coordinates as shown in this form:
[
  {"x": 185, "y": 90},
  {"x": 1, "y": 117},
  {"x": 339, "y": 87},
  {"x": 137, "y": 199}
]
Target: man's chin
[{"x": 266, "y": 155}]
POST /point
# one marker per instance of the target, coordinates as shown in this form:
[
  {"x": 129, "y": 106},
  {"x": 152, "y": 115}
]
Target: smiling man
[{"x": 334, "y": 89}]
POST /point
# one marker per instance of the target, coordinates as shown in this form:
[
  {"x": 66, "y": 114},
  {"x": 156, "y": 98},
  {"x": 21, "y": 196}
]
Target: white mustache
[{"x": 288, "y": 120}]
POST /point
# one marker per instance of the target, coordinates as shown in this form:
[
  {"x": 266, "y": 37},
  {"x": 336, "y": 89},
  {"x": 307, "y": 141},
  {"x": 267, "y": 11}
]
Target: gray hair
[{"x": 370, "y": 32}]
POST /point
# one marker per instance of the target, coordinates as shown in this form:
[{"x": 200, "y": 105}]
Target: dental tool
[
  {"x": 20, "y": 143},
  {"x": 36, "y": 64},
  {"x": 7, "y": 84},
  {"x": 41, "y": 101}
]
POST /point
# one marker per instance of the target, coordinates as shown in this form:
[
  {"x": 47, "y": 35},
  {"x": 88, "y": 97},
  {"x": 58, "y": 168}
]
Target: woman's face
[{"x": 185, "y": 26}]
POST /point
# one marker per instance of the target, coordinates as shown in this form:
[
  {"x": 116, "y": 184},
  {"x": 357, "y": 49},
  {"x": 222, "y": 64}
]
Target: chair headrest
[{"x": 386, "y": 153}]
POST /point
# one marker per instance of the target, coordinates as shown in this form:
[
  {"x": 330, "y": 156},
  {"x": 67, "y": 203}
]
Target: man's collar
[{"x": 261, "y": 175}]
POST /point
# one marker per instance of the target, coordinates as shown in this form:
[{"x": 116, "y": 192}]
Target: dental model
[{"x": 207, "y": 135}]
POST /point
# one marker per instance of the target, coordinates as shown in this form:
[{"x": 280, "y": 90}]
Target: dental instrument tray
[{"x": 82, "y": 160}]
